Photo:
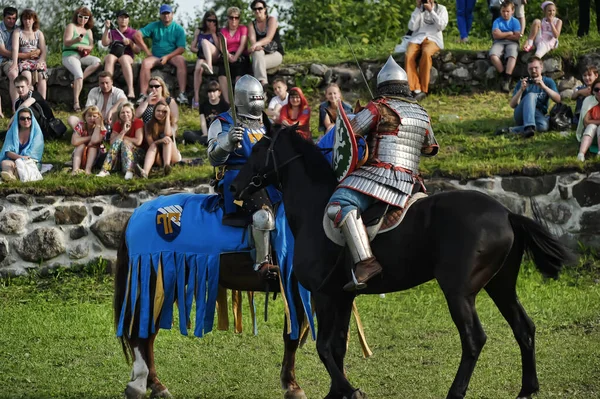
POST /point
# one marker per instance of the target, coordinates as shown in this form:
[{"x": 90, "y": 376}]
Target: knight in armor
[
  {"x": 229, "y": 147},
  {"x": 397, "y": 131}
]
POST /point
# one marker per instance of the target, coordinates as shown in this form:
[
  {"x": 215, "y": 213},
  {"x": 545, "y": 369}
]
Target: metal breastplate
[{"x": 402, "y": 149}]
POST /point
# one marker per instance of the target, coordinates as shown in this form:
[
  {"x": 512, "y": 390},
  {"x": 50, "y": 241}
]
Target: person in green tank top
[{"x": 78, "y": 42}]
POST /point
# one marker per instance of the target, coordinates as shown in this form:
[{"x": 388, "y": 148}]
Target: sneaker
[
  {"x": 527, "y": 47},
  {"x": 141, "y": 172},
  {"x": 141, "y": 99},
  {"x": 420, "y": 96},
  {"x": 581, "y": 157},
  {"x": 7, "y": 176},
  {"x": 501, "y": 131},
  {"x": 103, "y": 173},
  {"x": 167, "y": 170},
  {"x": 129, "y": 175},
  {"x": 401, "y": 48},
  {"x": 528, "y": 132},
  {"x": 505, "y": 85},
  {"x": 182, "y": 99}
]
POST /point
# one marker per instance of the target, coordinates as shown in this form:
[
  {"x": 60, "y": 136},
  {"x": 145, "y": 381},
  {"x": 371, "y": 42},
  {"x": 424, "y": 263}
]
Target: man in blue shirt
[
  {"x": 506, "y": 32},
  {"x": 530, "y": 101},
  {"x": 168, "y": 45},
  {"x": 7, "y": 26}
]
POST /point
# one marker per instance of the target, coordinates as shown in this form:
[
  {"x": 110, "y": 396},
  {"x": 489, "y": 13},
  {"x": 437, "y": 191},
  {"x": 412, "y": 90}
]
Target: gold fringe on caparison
[
  {"x": 159, "y": 293},
  {"x": 286, "y": 307},
  {"x": 137, "y": 293},
  {"x": 252, "y": 312},
  {"x": 361, "y": 332},
  {"x": 222, "y": 310},
  {"x": 236, "y": 305}
]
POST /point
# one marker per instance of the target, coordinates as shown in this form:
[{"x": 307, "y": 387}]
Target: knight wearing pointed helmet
[{"x": 397, "y": 131}]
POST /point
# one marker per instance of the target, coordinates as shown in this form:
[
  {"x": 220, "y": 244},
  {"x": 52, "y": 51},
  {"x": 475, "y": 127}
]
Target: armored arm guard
[
  {"x": 219, "y": 145},
  {"x": 366, "y": 120},
  {"x": 430, "y": 145}
]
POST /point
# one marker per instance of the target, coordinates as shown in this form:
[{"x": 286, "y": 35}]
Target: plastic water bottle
[{"x": 449, "y": 118}]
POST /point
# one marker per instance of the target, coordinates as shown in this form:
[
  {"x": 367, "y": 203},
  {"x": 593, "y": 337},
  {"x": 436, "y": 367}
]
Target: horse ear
[
  {"x": 267, "y": 123},
  {"x": 358, "y": 107}
]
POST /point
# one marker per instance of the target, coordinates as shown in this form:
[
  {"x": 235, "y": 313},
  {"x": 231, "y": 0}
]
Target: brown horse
[{"x": 235, "y": 272}]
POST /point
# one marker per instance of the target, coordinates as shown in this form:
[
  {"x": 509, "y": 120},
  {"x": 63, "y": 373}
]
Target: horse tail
[
  {"x": 121, "y": 276},
  {"x": 548, "y": 254}
]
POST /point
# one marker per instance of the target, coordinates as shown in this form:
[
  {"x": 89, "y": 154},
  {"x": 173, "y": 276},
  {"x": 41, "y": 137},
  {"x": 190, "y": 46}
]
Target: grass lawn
[{"x": 57, "y": 341}]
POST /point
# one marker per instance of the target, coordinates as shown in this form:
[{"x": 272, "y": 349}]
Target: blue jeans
[
  {"x": 526, "y": 114},
  {"x": 464, "y": 16},
  {"x": 350, "y": 200}
]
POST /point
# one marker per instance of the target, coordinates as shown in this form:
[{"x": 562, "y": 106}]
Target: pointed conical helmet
[
  {"x": 249, "y": 97},
  {"x": 391, "y": 73}
]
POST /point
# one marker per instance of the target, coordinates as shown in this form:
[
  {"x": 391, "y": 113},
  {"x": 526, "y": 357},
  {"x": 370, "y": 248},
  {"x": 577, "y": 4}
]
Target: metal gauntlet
[{"x": 219, "y": 149}]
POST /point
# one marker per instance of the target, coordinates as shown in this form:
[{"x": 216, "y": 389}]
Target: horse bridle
[{"x": 258, "y": 179}]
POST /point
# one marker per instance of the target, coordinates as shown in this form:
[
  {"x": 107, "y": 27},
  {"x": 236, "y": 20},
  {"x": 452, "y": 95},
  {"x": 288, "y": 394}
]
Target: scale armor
[{"x": 402, "y": 130}]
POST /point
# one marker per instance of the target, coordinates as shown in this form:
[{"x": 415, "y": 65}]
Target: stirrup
[
  {"x": 268, "y": 271},
  {"x": 354, "y": 285}
]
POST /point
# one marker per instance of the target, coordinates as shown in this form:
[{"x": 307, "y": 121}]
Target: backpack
[{"x": 561, "y": 116}]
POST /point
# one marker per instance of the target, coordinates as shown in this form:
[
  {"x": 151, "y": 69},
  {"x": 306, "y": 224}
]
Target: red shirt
[
  {"x": 594, "y": 112},
  {"x": 137, "y": 124},
  {"x": 303, "y": 120}
]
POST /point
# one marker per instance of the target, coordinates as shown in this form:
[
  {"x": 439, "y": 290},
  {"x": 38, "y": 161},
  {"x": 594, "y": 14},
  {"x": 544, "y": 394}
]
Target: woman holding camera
[
  {"x": 122, "y": 49},
  {"x": 78, "y": 43}
]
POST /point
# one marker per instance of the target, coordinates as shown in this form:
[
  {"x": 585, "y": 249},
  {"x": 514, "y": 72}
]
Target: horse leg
[
  {"x": 157, "y": 388},
  {"x": 333, "y": 316},
  {"x": 288, "y": 365},
  {"x": 472, "y": 339},
  {"x": 502, "y": 291},
  {"x": 136, "y": 387}
]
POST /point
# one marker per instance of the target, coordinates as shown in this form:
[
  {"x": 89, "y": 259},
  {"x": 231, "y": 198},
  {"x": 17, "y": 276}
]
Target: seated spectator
[
  {"x": 158, "y": 91},
  {"x": 168, "y": 45},
  {"x": 427, "y": 22},
  {"x": 590, "y": 74},
  {"x": 88, "y": 135},
  {"x": 236, "y": 37},
  {"x": 7, "y": 27},
  {"x": 281, "y": 98},
  {"x": 205, "y": 46},
  {"x": 464, "y": 18},
  {"x": 27, "y": 40},
  {"x": 122, "y": 36},
  {"x": 78, "y": 43},
  {"x": 530, "y": 101},
  {"x": 160, "y": 139},
  {"x": 519, "y": 7},
  {"x": 584, "y": 17},
  {"x": 106, "y": 97},
  {"x": 297, "y": 111},
  {"x": 209, "y": 110},
  {"x": 27, "y": 98},
  {"x": 265, "y": 44},
  {"x": 544, "y": 34},
  {"x": 506, "y": 32},
  {"x": 24, "y": 140},
  {"x": 126, "y": 142},
  {"x": 328, "y": 109},
  {"x": 591, "y": 124}
]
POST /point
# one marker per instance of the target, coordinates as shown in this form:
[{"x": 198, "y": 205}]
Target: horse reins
[{"x": 257, "y": 179}]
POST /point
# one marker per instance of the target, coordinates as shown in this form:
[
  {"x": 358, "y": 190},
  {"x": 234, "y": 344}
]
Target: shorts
[
  {"x": 6, "y": 64},
  {"x": 508, "y": 48},
  {"x": 519, "y": 11},
  {"x": 591, "y": 130}
]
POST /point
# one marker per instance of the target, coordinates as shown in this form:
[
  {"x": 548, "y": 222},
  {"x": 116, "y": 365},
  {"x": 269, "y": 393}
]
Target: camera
[
  {"x": 530, "y": 81},
  {"x": 81, "y": 36}
]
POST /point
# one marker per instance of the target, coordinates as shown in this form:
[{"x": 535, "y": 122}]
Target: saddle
[{"x": 378, "y": 218}]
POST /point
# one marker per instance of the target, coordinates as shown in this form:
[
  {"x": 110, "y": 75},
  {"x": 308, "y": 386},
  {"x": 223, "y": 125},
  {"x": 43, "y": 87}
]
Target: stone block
[
  {"x": 485, "y": 184},
  {"x": 127, "y": 201},
  {"x": 318, "y": 69},
  {"x": 513, "y": 203},
  {"x": 46, "y": 200},
  {"x": 79, "y": 251},
  {"x": 435, "y": 186},
  {"x": 448, "y": 67},
  {"x": 590, "y": 222},
  {"x": 587, "y": 192},
  {"x": 97, "y": 210},
  {"x": 42, "y": 216},
  {"x": 20, "y": 199},
  {"x": 41, "y": 244},
  {"x": 461, "y": 73},
  {"x": 202, "y": 189},
  {"x": 568, "y": 83},
  {"x": 78, "y": 232},
  {"x": 558, "y": 213},
  {"x": 447, "y": 56},
  {"x": 69, "y": 214},
  {"x": 4, "y": 249},
  {"x": 552, "y": 65},
  {"x": 529, "y": 186},
  {"x": 433, "y": 76},
  {"x": 12, "y": 222},
  {"x": 566, "y": 94},
  {"x": 109, "y": 228}
]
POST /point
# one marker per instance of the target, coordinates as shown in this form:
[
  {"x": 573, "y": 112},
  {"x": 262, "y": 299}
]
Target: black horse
[{"x": 464, "y": 239}]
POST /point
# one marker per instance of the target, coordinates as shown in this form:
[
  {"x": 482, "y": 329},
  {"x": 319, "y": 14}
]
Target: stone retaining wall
[
  {"x": 458, "y": 71},
  {"x": 45, "y": 232}
]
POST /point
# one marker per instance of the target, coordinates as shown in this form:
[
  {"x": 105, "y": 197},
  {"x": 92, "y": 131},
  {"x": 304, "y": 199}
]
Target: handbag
[
  {"x": 117, "y": 48},
  {"x": 83, "y": 52},
  {"x": 271, "y": 47},
  {"x": 56, "y": 127},
  {"x": 561, "y": 116},
  {"x": 27, "y": 170}
]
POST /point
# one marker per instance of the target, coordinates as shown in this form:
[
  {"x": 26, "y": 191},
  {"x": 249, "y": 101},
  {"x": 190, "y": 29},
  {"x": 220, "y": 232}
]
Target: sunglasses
[
  {"x": 596, "y": 89},
  {"x": 155, "y": 86},
  {"x": 83, "y": 16},
  {"x": 161, "y": 111},
  {"x": 24, "y": 118},
  {"x": 214, "y": 21},
  {"x": 258, "y": 9},
  {"x": 232, "y": 17}
]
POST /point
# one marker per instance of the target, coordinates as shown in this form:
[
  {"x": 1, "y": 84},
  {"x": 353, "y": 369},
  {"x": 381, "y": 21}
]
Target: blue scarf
[{"x": 35, "y": 146}]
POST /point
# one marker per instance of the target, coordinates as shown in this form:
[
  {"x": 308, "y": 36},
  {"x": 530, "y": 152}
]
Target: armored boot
[
  {"x": 263, "y": 222},
  {"x": 357, "y": 239}
]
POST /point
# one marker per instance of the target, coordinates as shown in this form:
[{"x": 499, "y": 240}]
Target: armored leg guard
[
  {"x": 263, "y": 222},
  {"x": 357, "y": 239}
]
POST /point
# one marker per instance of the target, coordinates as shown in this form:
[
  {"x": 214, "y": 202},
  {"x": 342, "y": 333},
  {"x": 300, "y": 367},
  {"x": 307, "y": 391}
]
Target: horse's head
[{"x": 268, "y": 157}]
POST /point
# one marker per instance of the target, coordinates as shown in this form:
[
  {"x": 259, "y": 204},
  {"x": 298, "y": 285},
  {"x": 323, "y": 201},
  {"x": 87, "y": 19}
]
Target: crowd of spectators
[{"x": 114, "y": 135}]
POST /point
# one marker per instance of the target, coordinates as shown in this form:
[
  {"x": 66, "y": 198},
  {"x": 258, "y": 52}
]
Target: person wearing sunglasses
[
  {"x": 530, "y": 101},
  {"x": 78, "y": 43},
  {"x": 236, "y": 37},
  {"x": 168, "y": 46},
  {"x": 24, "y": 140},
  {"x": 205, "y": 46},
  {"x": 589, "y": 125},
  {"x": 265, "y": 44},
  {"x": 158, "y": 90}
]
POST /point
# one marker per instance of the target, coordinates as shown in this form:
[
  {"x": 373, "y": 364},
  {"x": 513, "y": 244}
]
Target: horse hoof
[
  {"x": 358, "y": 394},
  {"x": 132, "y": 392},
  {"x": 161, "y": 394},
  {"x": 294, "y": 394}
]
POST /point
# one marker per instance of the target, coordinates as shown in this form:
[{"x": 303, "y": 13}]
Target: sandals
[{"x": 76, "y": 107}]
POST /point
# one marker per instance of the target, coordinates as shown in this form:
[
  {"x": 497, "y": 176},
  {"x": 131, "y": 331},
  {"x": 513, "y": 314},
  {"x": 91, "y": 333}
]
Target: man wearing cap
[
  {"x": 124, "y": 36},
  {"x": 168, "y": 45}
]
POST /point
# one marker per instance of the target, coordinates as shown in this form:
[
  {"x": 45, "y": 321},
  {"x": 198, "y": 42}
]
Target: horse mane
[{"x": 315, "y": 162}]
